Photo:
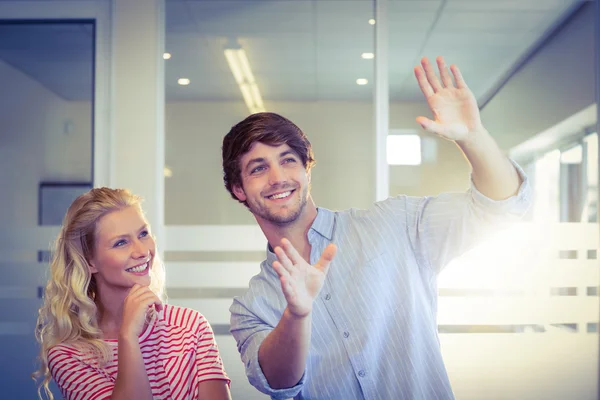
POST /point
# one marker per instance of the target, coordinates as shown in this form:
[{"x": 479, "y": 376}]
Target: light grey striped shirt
[{"x": 374, "y": 331}]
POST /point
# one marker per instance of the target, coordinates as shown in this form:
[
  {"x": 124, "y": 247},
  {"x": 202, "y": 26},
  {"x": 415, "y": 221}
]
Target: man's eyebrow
[
  {"x": 287, "y": 152},
  {"x": 254, "y": 161}
]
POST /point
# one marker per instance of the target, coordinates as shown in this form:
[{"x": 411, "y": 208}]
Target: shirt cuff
[
  {"x": 258, "y": 380},
  {"x": 517, "y": 205}
]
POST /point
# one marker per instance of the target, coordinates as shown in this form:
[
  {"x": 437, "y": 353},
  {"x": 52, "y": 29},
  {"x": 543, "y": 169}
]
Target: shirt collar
[{"x": 323, "y": 225}]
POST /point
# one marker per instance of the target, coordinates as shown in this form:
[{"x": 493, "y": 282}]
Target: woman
[{"x": 104, "y": 330}]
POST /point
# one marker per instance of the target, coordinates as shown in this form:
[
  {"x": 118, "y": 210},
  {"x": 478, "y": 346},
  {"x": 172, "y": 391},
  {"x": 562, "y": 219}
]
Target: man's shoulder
[{"x": 382, "y": 208}]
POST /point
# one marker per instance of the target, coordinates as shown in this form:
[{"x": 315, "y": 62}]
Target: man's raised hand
[{"x": 454, "y": 107}]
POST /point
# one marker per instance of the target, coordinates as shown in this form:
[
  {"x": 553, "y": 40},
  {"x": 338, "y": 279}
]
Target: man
[{"x": 345, "y": 304}]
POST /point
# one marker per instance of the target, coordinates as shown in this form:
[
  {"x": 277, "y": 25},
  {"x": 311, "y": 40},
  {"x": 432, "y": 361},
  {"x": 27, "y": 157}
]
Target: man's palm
[{"x": 300, "y": 281}]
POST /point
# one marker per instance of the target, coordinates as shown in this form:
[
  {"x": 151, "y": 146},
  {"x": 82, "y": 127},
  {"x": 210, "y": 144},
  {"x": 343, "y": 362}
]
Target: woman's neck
[{"x": 110, "y": 313}]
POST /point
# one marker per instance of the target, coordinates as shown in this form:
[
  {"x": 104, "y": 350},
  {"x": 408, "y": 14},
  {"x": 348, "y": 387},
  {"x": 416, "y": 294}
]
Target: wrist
[
  {"x": 474, "y": 138},
  {"x": 127, "y": 337},
  {"x": 288, "y": 314}
]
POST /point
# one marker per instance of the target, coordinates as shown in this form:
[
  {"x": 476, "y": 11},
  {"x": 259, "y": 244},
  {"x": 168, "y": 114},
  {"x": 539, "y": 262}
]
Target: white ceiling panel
[
  {"x": 251, "y": 18},
  {"x": 305, "y": 50},
  {"x": 483, "y": 21},
  {"x": 503, "y": 5}
]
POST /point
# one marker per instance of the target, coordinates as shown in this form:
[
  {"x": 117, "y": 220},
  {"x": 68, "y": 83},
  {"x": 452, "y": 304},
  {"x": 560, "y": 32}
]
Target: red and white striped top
[{"x": 179, "y": 352}]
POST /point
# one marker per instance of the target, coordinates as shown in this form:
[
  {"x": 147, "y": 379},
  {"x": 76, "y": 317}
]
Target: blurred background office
[{"x": 139, "y": 94}]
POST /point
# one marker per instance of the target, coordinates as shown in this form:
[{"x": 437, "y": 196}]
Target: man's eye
[{"x": 257, "y": 169}]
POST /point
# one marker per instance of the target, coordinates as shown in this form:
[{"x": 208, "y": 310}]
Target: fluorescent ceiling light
[
  {"x": 242, "y": 73},
  {"x": 166, "y": 56},
  {"x": 361, "y": 81},
  {"x": 371, "y": 21},
  {"x": 403, "y": 150},
  {"x": 183, "y": 81},
  {"x": 368, "y": 56}
]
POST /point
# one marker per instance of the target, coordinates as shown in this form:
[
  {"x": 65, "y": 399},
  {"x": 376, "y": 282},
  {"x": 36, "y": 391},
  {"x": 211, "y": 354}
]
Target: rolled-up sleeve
[
  {"x": 444, "y": 227},
  {"x": 253, "y": 316},
  {"x": 514, "y": 207}
]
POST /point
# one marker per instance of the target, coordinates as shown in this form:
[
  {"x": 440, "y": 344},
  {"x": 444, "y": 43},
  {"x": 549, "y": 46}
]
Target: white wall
[
  {"x": 34, "y": 148},
  {"x": 554, "y": 84}
]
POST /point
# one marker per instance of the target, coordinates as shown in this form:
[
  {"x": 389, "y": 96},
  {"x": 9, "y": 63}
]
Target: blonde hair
[{"x": 69, "y": 314}]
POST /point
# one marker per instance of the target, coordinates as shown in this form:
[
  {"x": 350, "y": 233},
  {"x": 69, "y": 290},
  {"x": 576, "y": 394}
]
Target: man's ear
[{"x": 239, "y": 192}]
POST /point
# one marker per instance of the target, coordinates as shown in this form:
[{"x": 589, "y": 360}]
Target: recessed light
[
  {"x": 166, "y": 56},
  {"x": 183, "y": 81},
  {"x": 368, "y": 56},
  {"x": 361, "y": 81},
  {"x": 371, "y": 21},
  {"x": 168, "y": 172}
]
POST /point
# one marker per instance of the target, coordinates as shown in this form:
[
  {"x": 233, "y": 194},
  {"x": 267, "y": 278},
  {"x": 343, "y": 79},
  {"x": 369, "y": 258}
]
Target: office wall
[
  {"x": 43, "y": 138},
  {"x": 343, "y": 142},
  {"x": 555, "y": 83}
]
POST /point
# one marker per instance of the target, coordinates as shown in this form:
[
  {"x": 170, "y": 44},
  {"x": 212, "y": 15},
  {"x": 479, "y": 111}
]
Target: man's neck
[{"x": 296, "y": 232}]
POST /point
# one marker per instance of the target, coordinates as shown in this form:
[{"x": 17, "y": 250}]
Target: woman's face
[{"x": 124, "y": 251}]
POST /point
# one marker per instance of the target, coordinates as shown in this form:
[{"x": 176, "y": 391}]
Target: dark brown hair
[{"x": 268, "y": 128}]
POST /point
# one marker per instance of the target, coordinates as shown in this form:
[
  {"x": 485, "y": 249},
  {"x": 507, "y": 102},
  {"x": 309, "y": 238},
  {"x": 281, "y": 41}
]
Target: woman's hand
[{"x": 137, "y": 303}]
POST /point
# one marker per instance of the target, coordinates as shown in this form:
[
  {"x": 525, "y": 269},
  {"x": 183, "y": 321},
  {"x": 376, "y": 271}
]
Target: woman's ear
[{"x": 92, "y": 267}]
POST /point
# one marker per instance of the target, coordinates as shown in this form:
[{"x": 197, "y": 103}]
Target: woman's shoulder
[
  {"x": 67, "y": 353},
  {"x": 183, "y": 317},
  {"x": 64, "y": 349}
]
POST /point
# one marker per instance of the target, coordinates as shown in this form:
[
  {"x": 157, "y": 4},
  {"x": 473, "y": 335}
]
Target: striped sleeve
[
  {"x": 208, "y": 360},
  {"x": 77, "y": 379},
  {"x": 446, "y": 226}
]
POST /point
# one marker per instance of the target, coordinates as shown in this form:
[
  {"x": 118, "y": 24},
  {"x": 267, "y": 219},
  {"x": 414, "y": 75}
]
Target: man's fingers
[
  {"x": 444, "y": 73},
  {"x": 326, "y": 257},
  {"x": 430, "y": 73},
  {"x": 283, "y": 259},
  {"x": 280, "y": 269},
  {"x": 423, "y": 82},
  {"x": 291, "y": 252},
  {"x": 425, "y": 123},
  {"x": 287, "y": 289},
  {"x": 460, "y": 81}
]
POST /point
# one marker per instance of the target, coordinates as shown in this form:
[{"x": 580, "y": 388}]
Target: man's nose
[{"x": 276, "y": 175}]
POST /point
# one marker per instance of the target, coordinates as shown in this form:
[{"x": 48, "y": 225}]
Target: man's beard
[{"x": 291, "y": 216}]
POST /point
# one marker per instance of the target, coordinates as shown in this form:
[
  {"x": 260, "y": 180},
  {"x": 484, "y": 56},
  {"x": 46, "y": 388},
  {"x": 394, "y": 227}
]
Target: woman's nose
[{"x": 140, "y": 249}]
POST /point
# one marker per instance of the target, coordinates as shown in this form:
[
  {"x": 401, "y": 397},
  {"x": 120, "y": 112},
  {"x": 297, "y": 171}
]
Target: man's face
[{"x": 274, "y": 183}]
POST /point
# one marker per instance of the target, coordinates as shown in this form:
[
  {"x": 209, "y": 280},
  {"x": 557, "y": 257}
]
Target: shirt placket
[{"x": 350, "y": 337}]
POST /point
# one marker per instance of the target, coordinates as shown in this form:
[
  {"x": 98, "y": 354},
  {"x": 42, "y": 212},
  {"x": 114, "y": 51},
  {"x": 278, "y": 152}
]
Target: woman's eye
[
  {"x": 120, "y": 243},
  {"x": 144, "y": 234}
]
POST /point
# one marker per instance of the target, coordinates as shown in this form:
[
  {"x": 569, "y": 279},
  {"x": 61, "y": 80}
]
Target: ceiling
[{"x": 302, "y": 50}]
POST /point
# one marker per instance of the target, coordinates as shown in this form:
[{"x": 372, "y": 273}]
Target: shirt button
[
  {"x": 362, "y": 373},
  {"x": 346, "y": 334},
  {"x": 327, "y": 296}
]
